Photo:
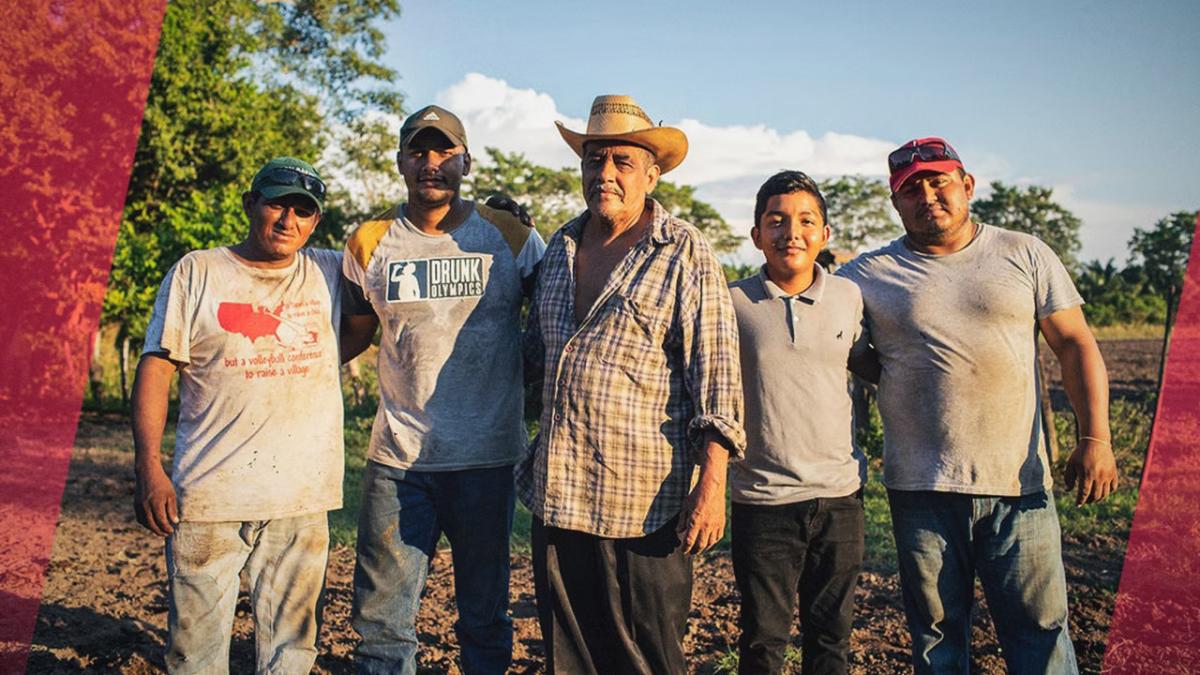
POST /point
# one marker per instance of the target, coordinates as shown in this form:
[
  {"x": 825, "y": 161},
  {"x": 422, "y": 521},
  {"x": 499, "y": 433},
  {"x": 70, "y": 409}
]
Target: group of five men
[{"x": 653, "y": 375}]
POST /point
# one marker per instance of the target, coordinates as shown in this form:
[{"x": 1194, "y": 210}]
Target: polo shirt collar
[{"x": 812, "y": 295}]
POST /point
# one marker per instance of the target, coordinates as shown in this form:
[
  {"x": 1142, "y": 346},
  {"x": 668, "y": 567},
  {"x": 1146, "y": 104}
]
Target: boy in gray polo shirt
[{"x": 797, "y": 500}]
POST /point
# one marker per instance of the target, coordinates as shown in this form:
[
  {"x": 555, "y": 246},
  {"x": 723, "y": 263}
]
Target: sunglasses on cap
[
  {"x": 931, "y": 151},
  {"x": 289, "y": 177}
]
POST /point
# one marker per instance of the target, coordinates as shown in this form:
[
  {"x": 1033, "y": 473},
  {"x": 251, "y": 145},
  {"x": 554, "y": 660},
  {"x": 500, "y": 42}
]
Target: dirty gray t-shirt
[
  {"x": 451, "y": 392},
  {"x": 260, "y": 399},
  {"x": 956, "y": 335},
  {"x": 794, "y": 355}
]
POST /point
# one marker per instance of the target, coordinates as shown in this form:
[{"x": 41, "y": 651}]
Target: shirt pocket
[{"x": 632, "y": 340}]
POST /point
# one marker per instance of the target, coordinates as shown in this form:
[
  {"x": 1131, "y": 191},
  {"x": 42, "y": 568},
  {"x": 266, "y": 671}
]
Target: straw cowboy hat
[{"x": 619, "y": 118}]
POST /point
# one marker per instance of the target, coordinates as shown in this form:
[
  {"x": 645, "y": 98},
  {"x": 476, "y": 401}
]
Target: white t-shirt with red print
[{"x": 260, "y": 405}]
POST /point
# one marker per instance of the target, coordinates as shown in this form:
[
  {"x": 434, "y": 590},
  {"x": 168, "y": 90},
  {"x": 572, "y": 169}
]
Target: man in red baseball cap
[{"x": 954, "y": 308}]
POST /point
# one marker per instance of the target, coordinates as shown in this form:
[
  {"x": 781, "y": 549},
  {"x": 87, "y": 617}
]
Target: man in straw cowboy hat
[{"x": 633, "y": 325}]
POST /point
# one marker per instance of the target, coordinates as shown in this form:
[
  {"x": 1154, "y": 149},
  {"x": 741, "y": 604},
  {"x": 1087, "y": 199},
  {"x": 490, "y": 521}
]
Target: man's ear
[
  {"x": 466, "y": 163},
  {"x": 247, "y": 202},
  {"x": 828, "y": 232},
  {"x": 969, "y": 185},
  {"x": 655, "y": 172},
  {"x": 399, "y": 154},
  {"x": 755, "y": 236}
]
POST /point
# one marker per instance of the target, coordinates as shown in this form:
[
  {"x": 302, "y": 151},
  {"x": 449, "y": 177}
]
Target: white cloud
[
  {"x": 725, "y": 164},
  {"x": 522, "y": 120},
  {"x": 514, "y": 120}
]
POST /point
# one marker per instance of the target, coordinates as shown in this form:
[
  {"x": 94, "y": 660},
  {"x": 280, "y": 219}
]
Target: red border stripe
[
  {"x": 1156, "y": 622},
  {"x": 73, "y": 83}
]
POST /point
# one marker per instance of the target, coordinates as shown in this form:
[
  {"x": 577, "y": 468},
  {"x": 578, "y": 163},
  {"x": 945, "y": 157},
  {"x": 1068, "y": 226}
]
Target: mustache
[{"x": 606, "y": 188}]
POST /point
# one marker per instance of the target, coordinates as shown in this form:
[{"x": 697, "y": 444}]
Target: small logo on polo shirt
[
  {"x": 434, "y": 278},
  {"x": 839, "y": 335}
]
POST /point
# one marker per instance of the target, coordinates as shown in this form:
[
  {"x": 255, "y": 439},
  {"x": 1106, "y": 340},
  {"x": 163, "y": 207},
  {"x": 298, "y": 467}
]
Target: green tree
[
  {"x": 236, "y": 82},
  {"x": 860, "y": 212},
  {"x": 552, "y": 196},
  {"x": 1162, "y": 253},
  {"x": 1118, "y": 295},
  {"x": 681, "y": 202},
  {"x": 1032, "y": 210}
]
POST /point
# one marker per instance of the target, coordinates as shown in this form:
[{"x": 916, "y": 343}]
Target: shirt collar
[
  {"x": 812, "y": 295},
  {"x": 662, "y": 225}
]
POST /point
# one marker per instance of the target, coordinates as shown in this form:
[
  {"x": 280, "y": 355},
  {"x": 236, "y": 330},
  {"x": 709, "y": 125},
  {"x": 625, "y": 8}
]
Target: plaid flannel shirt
[{"x": 629, "y": 393}]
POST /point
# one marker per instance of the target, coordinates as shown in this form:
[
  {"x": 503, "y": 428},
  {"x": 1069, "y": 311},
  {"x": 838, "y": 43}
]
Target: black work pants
[
  {"x": 611, "y": 606},
  {"x": 808, "y": 554}
]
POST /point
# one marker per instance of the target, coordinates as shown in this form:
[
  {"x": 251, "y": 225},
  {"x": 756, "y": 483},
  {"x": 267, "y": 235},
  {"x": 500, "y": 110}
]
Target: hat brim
[
  {"x": 277, "y": 191},
  {"x": 944, "y": 166},
  {"x": 668, "y": 144},
  {"x": 412, "y": 133}
]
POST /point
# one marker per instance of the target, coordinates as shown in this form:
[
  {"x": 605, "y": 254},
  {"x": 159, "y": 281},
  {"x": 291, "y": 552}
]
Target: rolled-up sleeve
[{"x": 712, "y": 376}]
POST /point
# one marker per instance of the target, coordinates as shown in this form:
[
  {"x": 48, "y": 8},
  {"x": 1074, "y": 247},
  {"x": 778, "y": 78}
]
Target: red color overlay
[
  {"x": 73, "y": 83},
  {"x": 1156, "y": 623}
]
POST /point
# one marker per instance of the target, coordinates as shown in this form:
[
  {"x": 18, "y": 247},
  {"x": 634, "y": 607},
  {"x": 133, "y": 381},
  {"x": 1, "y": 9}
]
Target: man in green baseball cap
[
  {"x": 284, "y": 176},
  {"x": 252, "y": 331}
]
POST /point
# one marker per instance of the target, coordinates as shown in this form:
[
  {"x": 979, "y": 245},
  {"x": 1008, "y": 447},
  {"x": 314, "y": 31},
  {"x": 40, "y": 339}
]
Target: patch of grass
[
  {"x": 1129, "y": 331},
  {"x": 343, "y": 523},
  {"x": 881, "y": 544},
  {"x": 727, "y": 662},
  {"x": 1111, "y": 517},
  {"x": 1130, "y": 422}
]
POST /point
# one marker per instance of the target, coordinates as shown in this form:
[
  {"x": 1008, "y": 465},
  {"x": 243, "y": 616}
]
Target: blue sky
[{"x": 1098, "y": 100}]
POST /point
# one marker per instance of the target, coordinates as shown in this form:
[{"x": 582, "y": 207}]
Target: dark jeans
[
  {"x": 807, "y": 553},
  {"x": 611, "y": 606},
  {"x": 403, "y": 514}
]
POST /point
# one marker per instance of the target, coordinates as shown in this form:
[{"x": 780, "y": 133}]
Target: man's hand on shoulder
[
  {"x": 1091, "y": 471},
  {"x": 506, "y": 203},
  {"x": 154, "y": 500}
]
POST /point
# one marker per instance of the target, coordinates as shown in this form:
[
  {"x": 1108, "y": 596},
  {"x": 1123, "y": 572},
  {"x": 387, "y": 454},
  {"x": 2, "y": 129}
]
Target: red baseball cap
[{"x": 922, "y": 154}]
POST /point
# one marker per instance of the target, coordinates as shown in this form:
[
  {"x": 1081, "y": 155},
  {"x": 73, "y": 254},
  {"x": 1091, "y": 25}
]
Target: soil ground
[{"x": 104, "y": 605}]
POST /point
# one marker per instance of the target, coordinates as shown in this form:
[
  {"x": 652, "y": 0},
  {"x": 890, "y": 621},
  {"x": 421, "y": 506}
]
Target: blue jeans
[
  {"x": 403, "y": 515},
  {"x": 1014, "y": 544}
]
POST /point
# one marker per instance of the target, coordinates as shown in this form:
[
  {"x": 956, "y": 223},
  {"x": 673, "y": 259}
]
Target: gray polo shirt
[{"x": 794, "y": 354}]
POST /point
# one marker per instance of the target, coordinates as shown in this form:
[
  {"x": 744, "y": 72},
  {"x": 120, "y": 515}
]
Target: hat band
[{"x": 611, "y": 108}]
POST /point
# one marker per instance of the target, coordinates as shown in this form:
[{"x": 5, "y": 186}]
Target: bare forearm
[
  {"x": 714, "y": 460},
  {"x": 1086, "y": 382},
  {"x": 151, "y": 390},
  {"x": 355, "y": 334}
]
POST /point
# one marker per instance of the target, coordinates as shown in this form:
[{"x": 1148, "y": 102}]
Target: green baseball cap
[
  {"x": 289, "y": 176},
  {"x": 433, "y": 117}
]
